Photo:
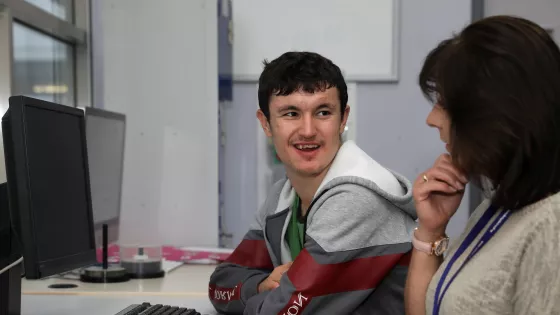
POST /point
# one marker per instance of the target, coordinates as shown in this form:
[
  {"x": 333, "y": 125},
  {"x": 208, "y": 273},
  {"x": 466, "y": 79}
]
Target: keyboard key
[{"x": 147, "y": 308}]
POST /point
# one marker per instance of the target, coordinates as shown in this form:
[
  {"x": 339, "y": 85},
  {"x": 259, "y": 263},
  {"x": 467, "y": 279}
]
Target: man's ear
[
  {"x": 344, "y": 119},
  {"x": 264, "y": 123}
]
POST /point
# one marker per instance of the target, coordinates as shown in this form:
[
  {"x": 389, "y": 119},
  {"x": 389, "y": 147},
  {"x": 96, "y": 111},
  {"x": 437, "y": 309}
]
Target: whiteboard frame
[{"x": 393, "y": 77}]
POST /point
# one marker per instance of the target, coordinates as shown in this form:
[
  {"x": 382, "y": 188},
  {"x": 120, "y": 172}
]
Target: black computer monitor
[
  {"x": 48, "y": 193},
  {"x": 105, "y": 134}
]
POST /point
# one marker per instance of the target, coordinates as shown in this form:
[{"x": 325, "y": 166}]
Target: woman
[{"x": 496, "y": 89}]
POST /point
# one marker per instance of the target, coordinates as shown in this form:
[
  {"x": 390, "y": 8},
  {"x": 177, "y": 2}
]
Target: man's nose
[{"x": 308, "y": 129}]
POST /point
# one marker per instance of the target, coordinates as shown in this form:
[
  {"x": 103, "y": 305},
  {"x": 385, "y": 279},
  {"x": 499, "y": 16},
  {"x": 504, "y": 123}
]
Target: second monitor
[{"x": 105, "y": 132}]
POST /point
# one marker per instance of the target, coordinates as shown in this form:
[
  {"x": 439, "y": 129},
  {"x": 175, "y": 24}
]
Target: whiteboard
[{"x": 360, "y": 36}]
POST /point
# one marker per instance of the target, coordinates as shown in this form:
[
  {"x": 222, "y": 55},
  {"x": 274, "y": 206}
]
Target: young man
[{"x": 332, "y": 238}]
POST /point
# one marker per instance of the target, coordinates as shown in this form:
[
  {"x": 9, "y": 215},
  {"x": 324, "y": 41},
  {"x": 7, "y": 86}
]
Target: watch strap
[
  {"x": 426, "y": 247},
  {"x": 422, "y": 246}
]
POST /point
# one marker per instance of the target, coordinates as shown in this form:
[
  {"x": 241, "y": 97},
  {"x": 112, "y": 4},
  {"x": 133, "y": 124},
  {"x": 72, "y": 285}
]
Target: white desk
[{"x": 185, "y": 286}]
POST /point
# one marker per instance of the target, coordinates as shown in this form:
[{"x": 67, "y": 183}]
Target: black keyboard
[{"x": 157, "y": 309}]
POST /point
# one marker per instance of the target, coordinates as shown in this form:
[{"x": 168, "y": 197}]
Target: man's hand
[{"x": 273, "y": 280}]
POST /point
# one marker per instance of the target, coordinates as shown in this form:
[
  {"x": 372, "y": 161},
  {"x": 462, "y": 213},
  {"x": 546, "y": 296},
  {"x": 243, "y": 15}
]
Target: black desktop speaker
[
  {"x": 5, "y": 229},
  {"x": 10, "y": 249},
  {"x": 10, "y": 280}
]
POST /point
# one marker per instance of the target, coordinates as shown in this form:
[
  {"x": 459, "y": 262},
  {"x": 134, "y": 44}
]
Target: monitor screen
[
  {"x": 105, "y": 133},
  {"x": 48, "y": 185}
]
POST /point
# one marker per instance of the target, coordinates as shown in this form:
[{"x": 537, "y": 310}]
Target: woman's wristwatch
[{"x": 436, "y": 248}]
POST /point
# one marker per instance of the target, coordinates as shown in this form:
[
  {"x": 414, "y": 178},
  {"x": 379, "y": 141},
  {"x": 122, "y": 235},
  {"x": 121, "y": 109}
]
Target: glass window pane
[
  {"x": 59, "y": 8},
  {"x": 43, "y": 66}
]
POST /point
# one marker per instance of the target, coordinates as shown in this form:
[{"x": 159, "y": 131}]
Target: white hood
[{"x": 351, "y": 161}]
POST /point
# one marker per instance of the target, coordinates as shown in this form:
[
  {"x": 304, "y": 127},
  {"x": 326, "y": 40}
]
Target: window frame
[{"x": 76, "y": 34}]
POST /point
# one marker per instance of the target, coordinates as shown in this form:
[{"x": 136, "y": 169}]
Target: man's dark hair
[
  {"x": 499, "y": 82},
  {"x": 299, "y": 71}
]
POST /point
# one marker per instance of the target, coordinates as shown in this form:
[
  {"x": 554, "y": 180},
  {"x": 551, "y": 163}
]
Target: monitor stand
[
  {"x": 10, "y": 280},
  {"x": 105, "y": 273}
]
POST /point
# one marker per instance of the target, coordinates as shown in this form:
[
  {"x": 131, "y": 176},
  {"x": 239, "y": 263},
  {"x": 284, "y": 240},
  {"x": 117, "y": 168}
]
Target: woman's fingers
[
  {"x": 444, "y": 161},
  {"x": 445, "y": 175},
  {"x": 424, "y": 190}
]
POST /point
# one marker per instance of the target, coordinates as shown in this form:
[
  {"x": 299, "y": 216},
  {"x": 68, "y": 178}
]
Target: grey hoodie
[{"x": 356, "y": 250}]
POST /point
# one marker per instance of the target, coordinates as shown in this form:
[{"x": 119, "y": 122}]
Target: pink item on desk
[
  {"x": 112, "y": 254},
  {"x": 171, "y": 253}
]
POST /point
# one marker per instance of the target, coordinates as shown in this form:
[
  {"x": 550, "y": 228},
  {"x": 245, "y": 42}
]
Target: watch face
[{"x": 441, "y": 246}]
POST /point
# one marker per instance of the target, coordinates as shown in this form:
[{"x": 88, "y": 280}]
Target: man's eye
[
  {"x": 324, "y": 113},
  {"x": 290, "y": 114}
]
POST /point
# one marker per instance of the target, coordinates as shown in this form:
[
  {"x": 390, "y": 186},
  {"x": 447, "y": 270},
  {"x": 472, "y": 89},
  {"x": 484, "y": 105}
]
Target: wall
[
  {"x": 161, "y": 69},
  {"x": 391, "y": 123},
  {"x": 393, "y": 116},
  {"x": 240, "y": 156},
  {"x": 5, "y": 78},
  {"x": 542, "y": 12}
]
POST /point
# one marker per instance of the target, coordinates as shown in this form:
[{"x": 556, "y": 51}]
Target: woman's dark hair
[{"x": 499, "y": 82}]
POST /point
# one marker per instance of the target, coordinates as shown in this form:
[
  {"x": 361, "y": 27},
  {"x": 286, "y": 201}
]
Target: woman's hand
[{"x": 437, "y": 194}]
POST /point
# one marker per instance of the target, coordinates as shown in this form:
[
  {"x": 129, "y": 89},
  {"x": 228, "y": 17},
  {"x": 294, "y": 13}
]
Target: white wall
[
  {"x": 159, "y": 67},
  {"x": 391, "y": 122}
]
